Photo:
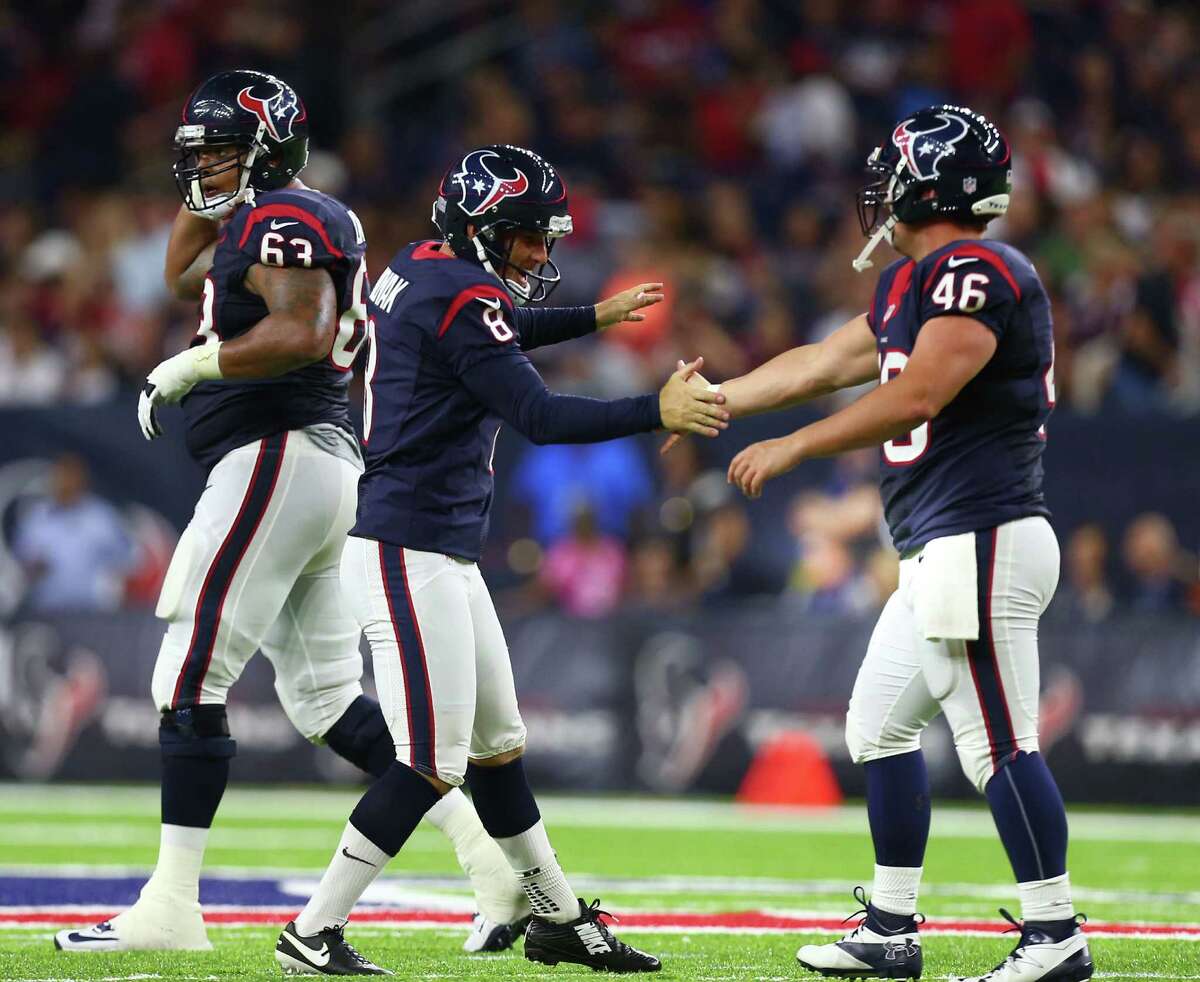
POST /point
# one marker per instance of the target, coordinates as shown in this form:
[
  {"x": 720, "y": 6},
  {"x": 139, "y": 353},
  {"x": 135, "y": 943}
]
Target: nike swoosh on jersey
[
  {"x": 318, "y": 958},
  {"x": 357, "y": 859},
  {"x": 959, "y": 260},
  {"x": 494, "y": 304},
  {"x": 276, "y": 224}
]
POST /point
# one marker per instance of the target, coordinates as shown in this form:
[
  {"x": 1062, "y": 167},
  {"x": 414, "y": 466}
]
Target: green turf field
[{"x": 641, "y": 857}]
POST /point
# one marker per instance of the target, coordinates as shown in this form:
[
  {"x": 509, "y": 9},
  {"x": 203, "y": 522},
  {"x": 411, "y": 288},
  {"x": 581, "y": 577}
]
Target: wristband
[{"x": 206, "y": 362}]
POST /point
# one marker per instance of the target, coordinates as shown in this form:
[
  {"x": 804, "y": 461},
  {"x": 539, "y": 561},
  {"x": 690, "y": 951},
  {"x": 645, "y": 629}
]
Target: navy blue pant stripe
[
  {"x": 981, "y": 656},
  {"x": 417, "y": 692},
  {"x": 224, "y": 566}
]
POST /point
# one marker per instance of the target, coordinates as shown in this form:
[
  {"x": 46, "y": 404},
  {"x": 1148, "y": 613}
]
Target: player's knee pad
[
  {"x": 361, "y": 736},
  {"x": 199, "y": 731}
]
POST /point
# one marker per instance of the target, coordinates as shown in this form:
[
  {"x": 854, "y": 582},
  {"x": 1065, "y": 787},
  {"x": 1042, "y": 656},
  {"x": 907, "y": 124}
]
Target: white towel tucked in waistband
[{"x": 945, "y": 598}]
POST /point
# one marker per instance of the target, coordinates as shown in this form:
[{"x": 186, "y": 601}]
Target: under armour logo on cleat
[{"x": 894, "y": 949}]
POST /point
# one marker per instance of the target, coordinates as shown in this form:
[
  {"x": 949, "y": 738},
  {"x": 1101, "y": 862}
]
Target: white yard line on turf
[{"x": 598, "y": 812}]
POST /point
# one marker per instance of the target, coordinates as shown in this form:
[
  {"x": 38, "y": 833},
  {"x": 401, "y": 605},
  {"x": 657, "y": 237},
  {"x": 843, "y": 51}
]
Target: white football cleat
[
  {"x": 489, "y": 936},
  {"x": 865, "y": 953},
  {"x": 1039, "y": 958},
  {"x": 152, "y": 924}
]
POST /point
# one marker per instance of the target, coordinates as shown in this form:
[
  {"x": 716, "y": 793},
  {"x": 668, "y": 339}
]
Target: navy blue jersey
[
  {"x": 288, "y": 227},
  {"x": 978, "y": 463},
  {"x": 447, "y": 366}
]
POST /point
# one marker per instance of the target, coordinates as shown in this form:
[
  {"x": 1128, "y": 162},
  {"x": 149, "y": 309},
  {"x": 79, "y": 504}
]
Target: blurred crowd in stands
[{"x": 713, "y": 145}]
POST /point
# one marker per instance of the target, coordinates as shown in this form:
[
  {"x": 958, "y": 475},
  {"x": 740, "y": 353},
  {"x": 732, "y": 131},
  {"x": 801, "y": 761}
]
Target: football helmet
[
  {"x": 497, "y": 189},
  {"x": 262, "y": 123},
  {"x": 952, "y": 151}
]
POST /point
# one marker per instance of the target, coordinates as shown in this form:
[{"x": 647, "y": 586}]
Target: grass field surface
[{"x": 720, "y": 892}]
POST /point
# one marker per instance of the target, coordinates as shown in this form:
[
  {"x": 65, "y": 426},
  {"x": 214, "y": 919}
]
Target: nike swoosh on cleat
[
  {"x": 318, "y": 958},
  {"x": 76, "y": 938},
  {"x": 357, "y": 859}
]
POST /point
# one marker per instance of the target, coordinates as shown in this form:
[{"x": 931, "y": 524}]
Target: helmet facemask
[
  {"x": 191, "y": 141},
  {"x": 493, "y": 247},
  {"x": 875, "y": 197}
]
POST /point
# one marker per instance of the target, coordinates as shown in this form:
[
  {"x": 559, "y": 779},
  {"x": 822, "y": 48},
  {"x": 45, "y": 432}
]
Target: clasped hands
[{"x": 754, "y": 465}]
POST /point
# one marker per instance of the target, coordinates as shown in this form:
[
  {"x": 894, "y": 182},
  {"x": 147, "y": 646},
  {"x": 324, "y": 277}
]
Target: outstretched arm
[
  {"x": 510, "y": 387},
  {"x": 539, "y": 326},
  {"x": 950, "y": 351},
  {"x": 846, "y": 357}
]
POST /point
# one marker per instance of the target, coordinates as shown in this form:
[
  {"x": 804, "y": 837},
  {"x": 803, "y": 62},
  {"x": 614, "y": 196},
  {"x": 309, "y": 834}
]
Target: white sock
[
  {"x": 353, "y": 868},
  {"x": 180, "y": 856},
  {"x": 895, "y": 889},
  {"x": 497, "y": 892},
  {"x": 530, "y": 855},
  {"x": 1046, "y": 900}
]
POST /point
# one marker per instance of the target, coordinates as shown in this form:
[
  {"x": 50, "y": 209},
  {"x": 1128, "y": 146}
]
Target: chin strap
[
  {"x": 519, "y": 293},
  {"x": 226, "y": 207},
  {"x": 862, "y": 262}
]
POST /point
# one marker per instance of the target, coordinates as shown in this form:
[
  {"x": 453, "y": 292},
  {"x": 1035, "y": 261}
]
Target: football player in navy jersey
[
  {"x": 450, "y": 322},
  {"x": 959, "y": 334},
  {"x": 282, "y": 285}
]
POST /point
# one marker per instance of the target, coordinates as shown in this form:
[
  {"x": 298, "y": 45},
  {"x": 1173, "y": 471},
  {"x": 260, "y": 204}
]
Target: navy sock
[
  {"x": 503, "y": 798},
  {"x": 192, "y": 788},
  {"x": 393, "y": 806},
  {"x": 196, "y": 750},
  {"x": 361, "y": 736},
  {"x": 898, "y": 808},
  {"x": 1030, "y": 817}
]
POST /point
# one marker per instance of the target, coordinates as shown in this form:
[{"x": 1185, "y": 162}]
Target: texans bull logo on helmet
[
  {"x": 923, "y": 150},
  {"x": 481, "y": 187},
  {"x": 279, "y": 111}
]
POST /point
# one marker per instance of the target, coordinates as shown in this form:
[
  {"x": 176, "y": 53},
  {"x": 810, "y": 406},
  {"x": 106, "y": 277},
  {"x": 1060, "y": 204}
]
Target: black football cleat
[
  {"x": 584, "y": 941},
  {"x": 324, "y": 953}
]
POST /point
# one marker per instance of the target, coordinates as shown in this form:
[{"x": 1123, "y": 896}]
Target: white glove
[{"x": 174, "y": 378}]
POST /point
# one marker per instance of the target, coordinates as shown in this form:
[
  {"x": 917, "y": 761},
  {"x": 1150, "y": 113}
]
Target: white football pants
[
  {"x": 257, "y": 568},
  {"x": 987, "y": 687},
  {"x": 441, "y": 662}
]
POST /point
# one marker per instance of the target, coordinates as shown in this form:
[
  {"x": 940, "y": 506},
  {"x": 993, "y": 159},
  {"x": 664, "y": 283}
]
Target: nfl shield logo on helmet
[{"x": 969, "y": 185}]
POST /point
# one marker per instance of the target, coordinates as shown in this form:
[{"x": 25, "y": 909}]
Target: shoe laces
[
  {"x": 1017, "y": 954},
  {"x": 592, "y": 912},
  {"x": 860, "y": 894},
  {"x": 355, "y": 955}
]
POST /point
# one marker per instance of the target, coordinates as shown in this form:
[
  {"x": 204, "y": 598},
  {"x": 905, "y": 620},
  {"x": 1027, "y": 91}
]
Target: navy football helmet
[
  {"x": 952, "y": 151},
  {"x": 259, "y": 119},
  {"x": 497, "y": 189}
]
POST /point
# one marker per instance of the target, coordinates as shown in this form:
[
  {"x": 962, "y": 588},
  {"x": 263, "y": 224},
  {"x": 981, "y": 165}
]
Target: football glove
[{"x": 174, "y": 378}]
